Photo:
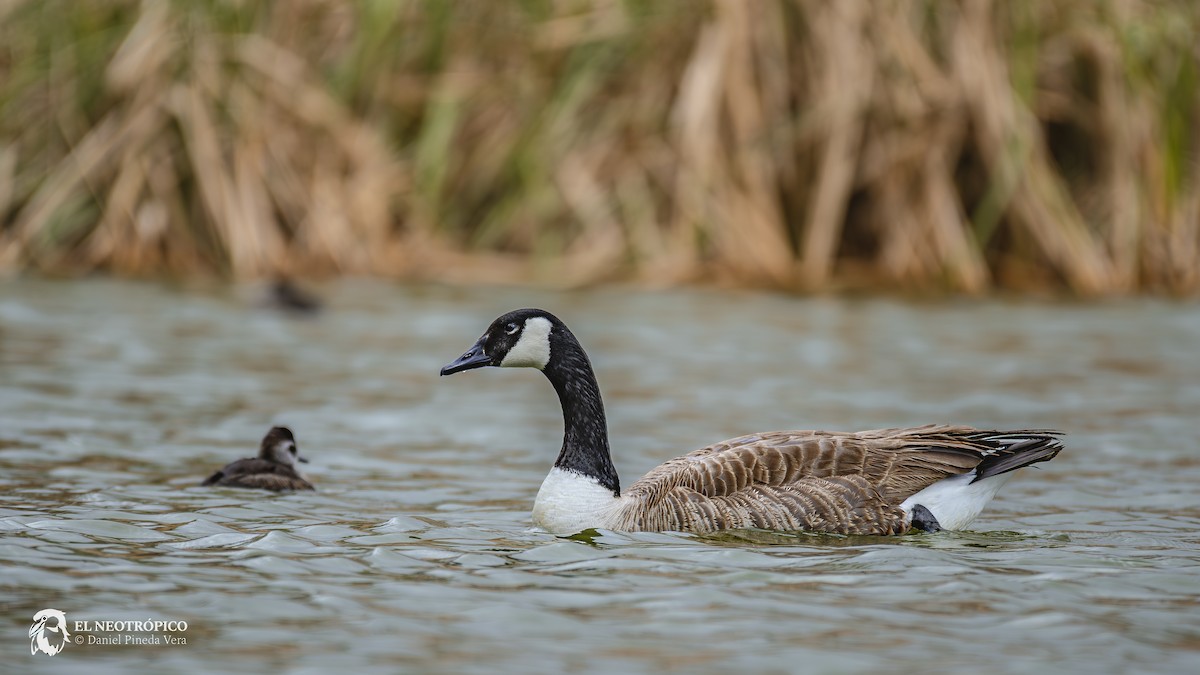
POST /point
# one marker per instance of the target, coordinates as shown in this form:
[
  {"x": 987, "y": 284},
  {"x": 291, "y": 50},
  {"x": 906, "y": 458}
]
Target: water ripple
[{"x": 416, "y": 553}]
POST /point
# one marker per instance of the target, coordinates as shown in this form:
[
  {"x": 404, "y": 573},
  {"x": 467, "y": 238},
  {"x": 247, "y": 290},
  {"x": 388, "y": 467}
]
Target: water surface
[{"x": 416, "y": 554}]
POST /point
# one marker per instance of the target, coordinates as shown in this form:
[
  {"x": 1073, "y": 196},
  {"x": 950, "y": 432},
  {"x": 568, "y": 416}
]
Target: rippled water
[{"x": 416, "y": 553}]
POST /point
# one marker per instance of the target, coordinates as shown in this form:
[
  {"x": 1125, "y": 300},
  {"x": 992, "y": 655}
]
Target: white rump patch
[
  {"x": 956, "y": 501},
  {"x": 570, "y": 502},
  {"x": 533, "y": 349}
]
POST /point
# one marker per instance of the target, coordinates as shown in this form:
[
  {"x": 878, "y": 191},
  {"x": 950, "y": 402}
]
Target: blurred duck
[
  {"x": 881, "y": 482},
  {"x": 273, "y": 469},
  {"x": 286, "y": 296}
]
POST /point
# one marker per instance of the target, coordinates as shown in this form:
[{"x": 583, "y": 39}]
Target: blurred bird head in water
[
  {"x": 285, "y": 295},
  {"x": 279, "y": 445}
]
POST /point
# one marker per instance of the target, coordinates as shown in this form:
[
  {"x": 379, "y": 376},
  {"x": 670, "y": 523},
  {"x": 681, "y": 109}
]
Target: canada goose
[
  {"x": 273, "y": 469},
  {"x": 885, "y": 481}
]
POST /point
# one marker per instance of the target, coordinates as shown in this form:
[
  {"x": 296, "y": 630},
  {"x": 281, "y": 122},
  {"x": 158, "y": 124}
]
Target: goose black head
[
  {"x": 519, "y": 339},
  {"x": 279, "y": 445}
]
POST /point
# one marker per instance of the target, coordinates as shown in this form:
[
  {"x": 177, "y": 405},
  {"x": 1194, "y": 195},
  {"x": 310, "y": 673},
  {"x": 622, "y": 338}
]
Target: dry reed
[{"x": 794, "y": 144}]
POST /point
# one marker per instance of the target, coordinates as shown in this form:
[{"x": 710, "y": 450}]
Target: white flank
[
  {"x": 533, "y": 349},
  {"x": 570, "y": 502},
  {"x": 956, "y": 501}
]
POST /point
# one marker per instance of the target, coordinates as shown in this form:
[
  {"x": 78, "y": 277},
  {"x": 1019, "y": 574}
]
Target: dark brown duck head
[{"x": 279, "y": 445}]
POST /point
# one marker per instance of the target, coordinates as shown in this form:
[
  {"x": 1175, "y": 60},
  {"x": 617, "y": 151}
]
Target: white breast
[{"x": 570, "y": 502}]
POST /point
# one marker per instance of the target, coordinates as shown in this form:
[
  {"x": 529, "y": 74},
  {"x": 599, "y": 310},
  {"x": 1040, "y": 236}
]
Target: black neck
[{"x": 585, "y": 432}]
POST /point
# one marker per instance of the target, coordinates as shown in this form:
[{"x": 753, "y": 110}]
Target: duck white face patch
[
  {"x": 282, "y": 452},
  {"x": 533, "y": 349}
]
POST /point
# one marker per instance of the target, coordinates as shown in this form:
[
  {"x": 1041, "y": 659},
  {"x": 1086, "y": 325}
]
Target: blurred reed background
[{"x": 795, "y": 144}]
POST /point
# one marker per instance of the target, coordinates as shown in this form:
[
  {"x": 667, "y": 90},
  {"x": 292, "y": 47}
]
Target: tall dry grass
[{"x": 796, "y": 144}]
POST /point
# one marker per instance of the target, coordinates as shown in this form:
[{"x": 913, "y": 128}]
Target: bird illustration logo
[{"x": 48, "y": 633}]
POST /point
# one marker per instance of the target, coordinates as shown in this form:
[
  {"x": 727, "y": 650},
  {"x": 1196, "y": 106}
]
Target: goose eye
[{"x": 511, "y": 328}]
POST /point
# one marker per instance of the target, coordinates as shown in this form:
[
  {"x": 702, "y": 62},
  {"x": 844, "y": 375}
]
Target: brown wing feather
[
  {"x": 838, "y": 504},
  {"x": 819, "y": 480},
  {"x": 268, "y": 481},
  {"x": 258, "y": 473}
]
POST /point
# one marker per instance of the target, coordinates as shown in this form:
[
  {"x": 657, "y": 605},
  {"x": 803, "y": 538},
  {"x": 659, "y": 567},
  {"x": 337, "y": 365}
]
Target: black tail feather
[{"x": 1018, "y": 450}]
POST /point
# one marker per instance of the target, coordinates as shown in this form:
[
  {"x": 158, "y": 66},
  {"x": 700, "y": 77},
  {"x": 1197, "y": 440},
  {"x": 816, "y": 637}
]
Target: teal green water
[{"x": 417, "y": 555}]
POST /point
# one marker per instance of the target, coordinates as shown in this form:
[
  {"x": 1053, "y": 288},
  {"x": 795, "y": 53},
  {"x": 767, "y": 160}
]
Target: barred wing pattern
[{"x": 848, "y": 483}]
